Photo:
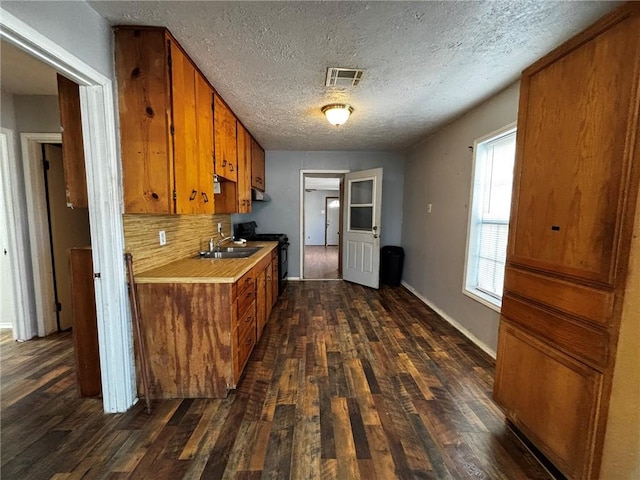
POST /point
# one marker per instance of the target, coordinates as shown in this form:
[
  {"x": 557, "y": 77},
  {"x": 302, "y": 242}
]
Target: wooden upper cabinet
[
  {"x": 72, "y": 144},
  {"x": 257, "y": 166},
  {"x": 204, "y": 127},
  {"x": 144, "y": 97},
  {"x": 572, "y": 185},
  {"x": 226, "y": 156},
  {"x": 166, "y": 125},
  {"x": 244, "y": 170}
]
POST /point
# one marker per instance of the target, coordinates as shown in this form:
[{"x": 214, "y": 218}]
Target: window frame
[{"x": 469, "y": 286}]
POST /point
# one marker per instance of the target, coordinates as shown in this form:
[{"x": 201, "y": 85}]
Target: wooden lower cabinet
[
  {"x": 187, "y": 329},
  {"x": 557, "y": 408},
  {"x": 199, "y": 336}
]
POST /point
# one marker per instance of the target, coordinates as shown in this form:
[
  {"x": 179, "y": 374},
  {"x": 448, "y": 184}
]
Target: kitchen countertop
[{"x": 207, "y": 270}]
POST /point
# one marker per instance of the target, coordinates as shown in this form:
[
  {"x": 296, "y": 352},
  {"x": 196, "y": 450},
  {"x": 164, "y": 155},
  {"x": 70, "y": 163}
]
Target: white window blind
[{"x": 489, "y": 216}]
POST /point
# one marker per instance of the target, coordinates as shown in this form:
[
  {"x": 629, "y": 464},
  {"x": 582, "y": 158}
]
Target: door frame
[
  {"x": 104, "y": 189},
  {"x": 38, "y": 225},
  {"x": 6, "y": 160},
  {"x": 303, "y": 173}
]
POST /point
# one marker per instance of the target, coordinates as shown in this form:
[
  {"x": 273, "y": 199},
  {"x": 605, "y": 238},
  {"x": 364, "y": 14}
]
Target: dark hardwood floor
[
  {"x": 321, "y": 263},
  {"x": 346, "y": 383}
]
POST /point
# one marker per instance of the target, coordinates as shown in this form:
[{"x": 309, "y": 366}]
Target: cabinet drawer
[
  {"x": 245, "y": 336},
  {"x": 551, "y": 397},
  {"x": 247, "y": 321},
  {"x": 247, "y": 282},
  {"x": 245, "y": 299}
]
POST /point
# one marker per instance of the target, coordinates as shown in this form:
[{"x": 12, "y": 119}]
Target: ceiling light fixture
[{"x": 337, "y": 113}]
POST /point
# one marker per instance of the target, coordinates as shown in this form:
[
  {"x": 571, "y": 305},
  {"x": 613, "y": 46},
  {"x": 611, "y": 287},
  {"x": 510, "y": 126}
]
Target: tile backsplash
[{"x": 184, "y": 234}]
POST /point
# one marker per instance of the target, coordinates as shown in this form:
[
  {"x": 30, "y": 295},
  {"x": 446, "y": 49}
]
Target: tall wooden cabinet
[
  {"x": 573, "y": 213},
  {"x": 166, "y": 125}
]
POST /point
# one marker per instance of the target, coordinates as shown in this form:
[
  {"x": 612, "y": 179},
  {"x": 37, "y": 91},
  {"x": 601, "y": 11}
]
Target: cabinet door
[
  {"x": 204, "y": 126},
  {"x": 575, "y": 128},
  {"x": 85, "y": 324},
  {"x": 244, "y": 170},
  {"x": 261, "y": 300},
  {"x": 225, "y": 140},
  {"x": 556, "y": 406},
  {"x": 185, "y": 144},
  {"x": 257, "y": 166},
  {"x": 75, "y": 176},
  {"x": 269, "y": 290},
  {"x": 144, "y": 101},
  {"x": 274, "y": 275}
]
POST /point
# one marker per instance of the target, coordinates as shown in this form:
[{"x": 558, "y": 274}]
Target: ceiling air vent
[{"x": 343, "y": 77}]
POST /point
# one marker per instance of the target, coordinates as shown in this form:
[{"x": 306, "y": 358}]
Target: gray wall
[
  {"x": 315, "y": 215},
  {"x": 282, "y": 213},
  {"x": 37, "y": 113},
  {"x": 438, "y": 171}
]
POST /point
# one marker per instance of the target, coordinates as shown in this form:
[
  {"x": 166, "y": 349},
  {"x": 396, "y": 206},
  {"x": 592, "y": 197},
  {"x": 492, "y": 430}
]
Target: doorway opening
[
  {"x": 97, "y": 107},
  {"x": 321, "y": 202},
  {"x": 67, "y": 228}
]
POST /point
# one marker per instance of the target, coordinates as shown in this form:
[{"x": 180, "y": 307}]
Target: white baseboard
[
  {"x": 482, "y": 346},
  {"x": 294, "y": 279},
  {"x": 5, "y": 325}
]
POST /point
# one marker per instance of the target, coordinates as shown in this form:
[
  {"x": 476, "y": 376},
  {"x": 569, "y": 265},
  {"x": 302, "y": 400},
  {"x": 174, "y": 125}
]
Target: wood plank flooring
[
  {"x": 346, "y": 383},
  {"x": 320, "y": 262}
]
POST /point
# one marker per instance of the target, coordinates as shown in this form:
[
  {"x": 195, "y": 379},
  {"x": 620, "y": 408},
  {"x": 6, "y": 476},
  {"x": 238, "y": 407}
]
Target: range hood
[{"x": 258, "y": 196}]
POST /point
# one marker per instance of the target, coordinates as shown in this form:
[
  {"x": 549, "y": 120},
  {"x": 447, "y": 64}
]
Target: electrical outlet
[
  {"x": 163, "y": 237},
  {"x": 219, "y": 227},
  {"x": 429, "y": 208}
]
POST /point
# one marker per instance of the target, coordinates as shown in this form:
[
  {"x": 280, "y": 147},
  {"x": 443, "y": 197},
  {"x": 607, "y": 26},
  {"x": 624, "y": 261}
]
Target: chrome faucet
[{"x": 221, "y": 241}]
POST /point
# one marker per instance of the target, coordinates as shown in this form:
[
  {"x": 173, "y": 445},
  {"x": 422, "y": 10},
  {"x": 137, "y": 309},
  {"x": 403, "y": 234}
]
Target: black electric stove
[{"x": 247, "y": 230}]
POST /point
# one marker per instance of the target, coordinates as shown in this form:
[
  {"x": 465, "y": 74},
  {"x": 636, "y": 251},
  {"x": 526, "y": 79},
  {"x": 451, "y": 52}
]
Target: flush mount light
[{"x": 337, "y": 113}]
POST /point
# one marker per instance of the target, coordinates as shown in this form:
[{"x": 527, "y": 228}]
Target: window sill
[{"x": 481, "y": 297}]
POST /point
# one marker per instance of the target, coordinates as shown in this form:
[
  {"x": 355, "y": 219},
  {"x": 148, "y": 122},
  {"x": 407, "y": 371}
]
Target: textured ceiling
[{"x": 426, "y": 62}]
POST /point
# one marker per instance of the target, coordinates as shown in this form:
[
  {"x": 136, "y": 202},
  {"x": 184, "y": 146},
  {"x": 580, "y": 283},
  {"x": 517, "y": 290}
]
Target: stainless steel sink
[{"x": 230, "y": 252}]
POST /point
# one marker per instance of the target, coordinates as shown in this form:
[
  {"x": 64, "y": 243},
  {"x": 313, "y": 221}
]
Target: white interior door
[
  {"x": 332, "y": 215},
  {"x": 361, "y": 232}
]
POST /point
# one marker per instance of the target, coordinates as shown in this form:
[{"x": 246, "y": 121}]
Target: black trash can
[{"x": 391, "y": 260}]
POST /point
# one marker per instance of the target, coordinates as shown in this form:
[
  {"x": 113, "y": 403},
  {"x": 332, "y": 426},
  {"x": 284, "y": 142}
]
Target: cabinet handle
[
  {"x": 231, "y": 167},
  {"x": 259, "y": 179},
  {"x": 154, "y": 195},
  {"x": 206, "y": 198},
  {"x": 249, "y": 319},
  {"x": 193, "y": 195},
  {"x": 249, "y": 341},
  {"x": 224, "y": 163}
]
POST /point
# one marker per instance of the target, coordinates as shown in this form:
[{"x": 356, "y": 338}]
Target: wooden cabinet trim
[
  {"x": 592, "y": 304},
  {"x": 576, "y": 338}
]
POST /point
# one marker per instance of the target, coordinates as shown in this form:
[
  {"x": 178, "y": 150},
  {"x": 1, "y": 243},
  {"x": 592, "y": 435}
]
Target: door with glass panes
[{"x": 361, "y": 239}]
